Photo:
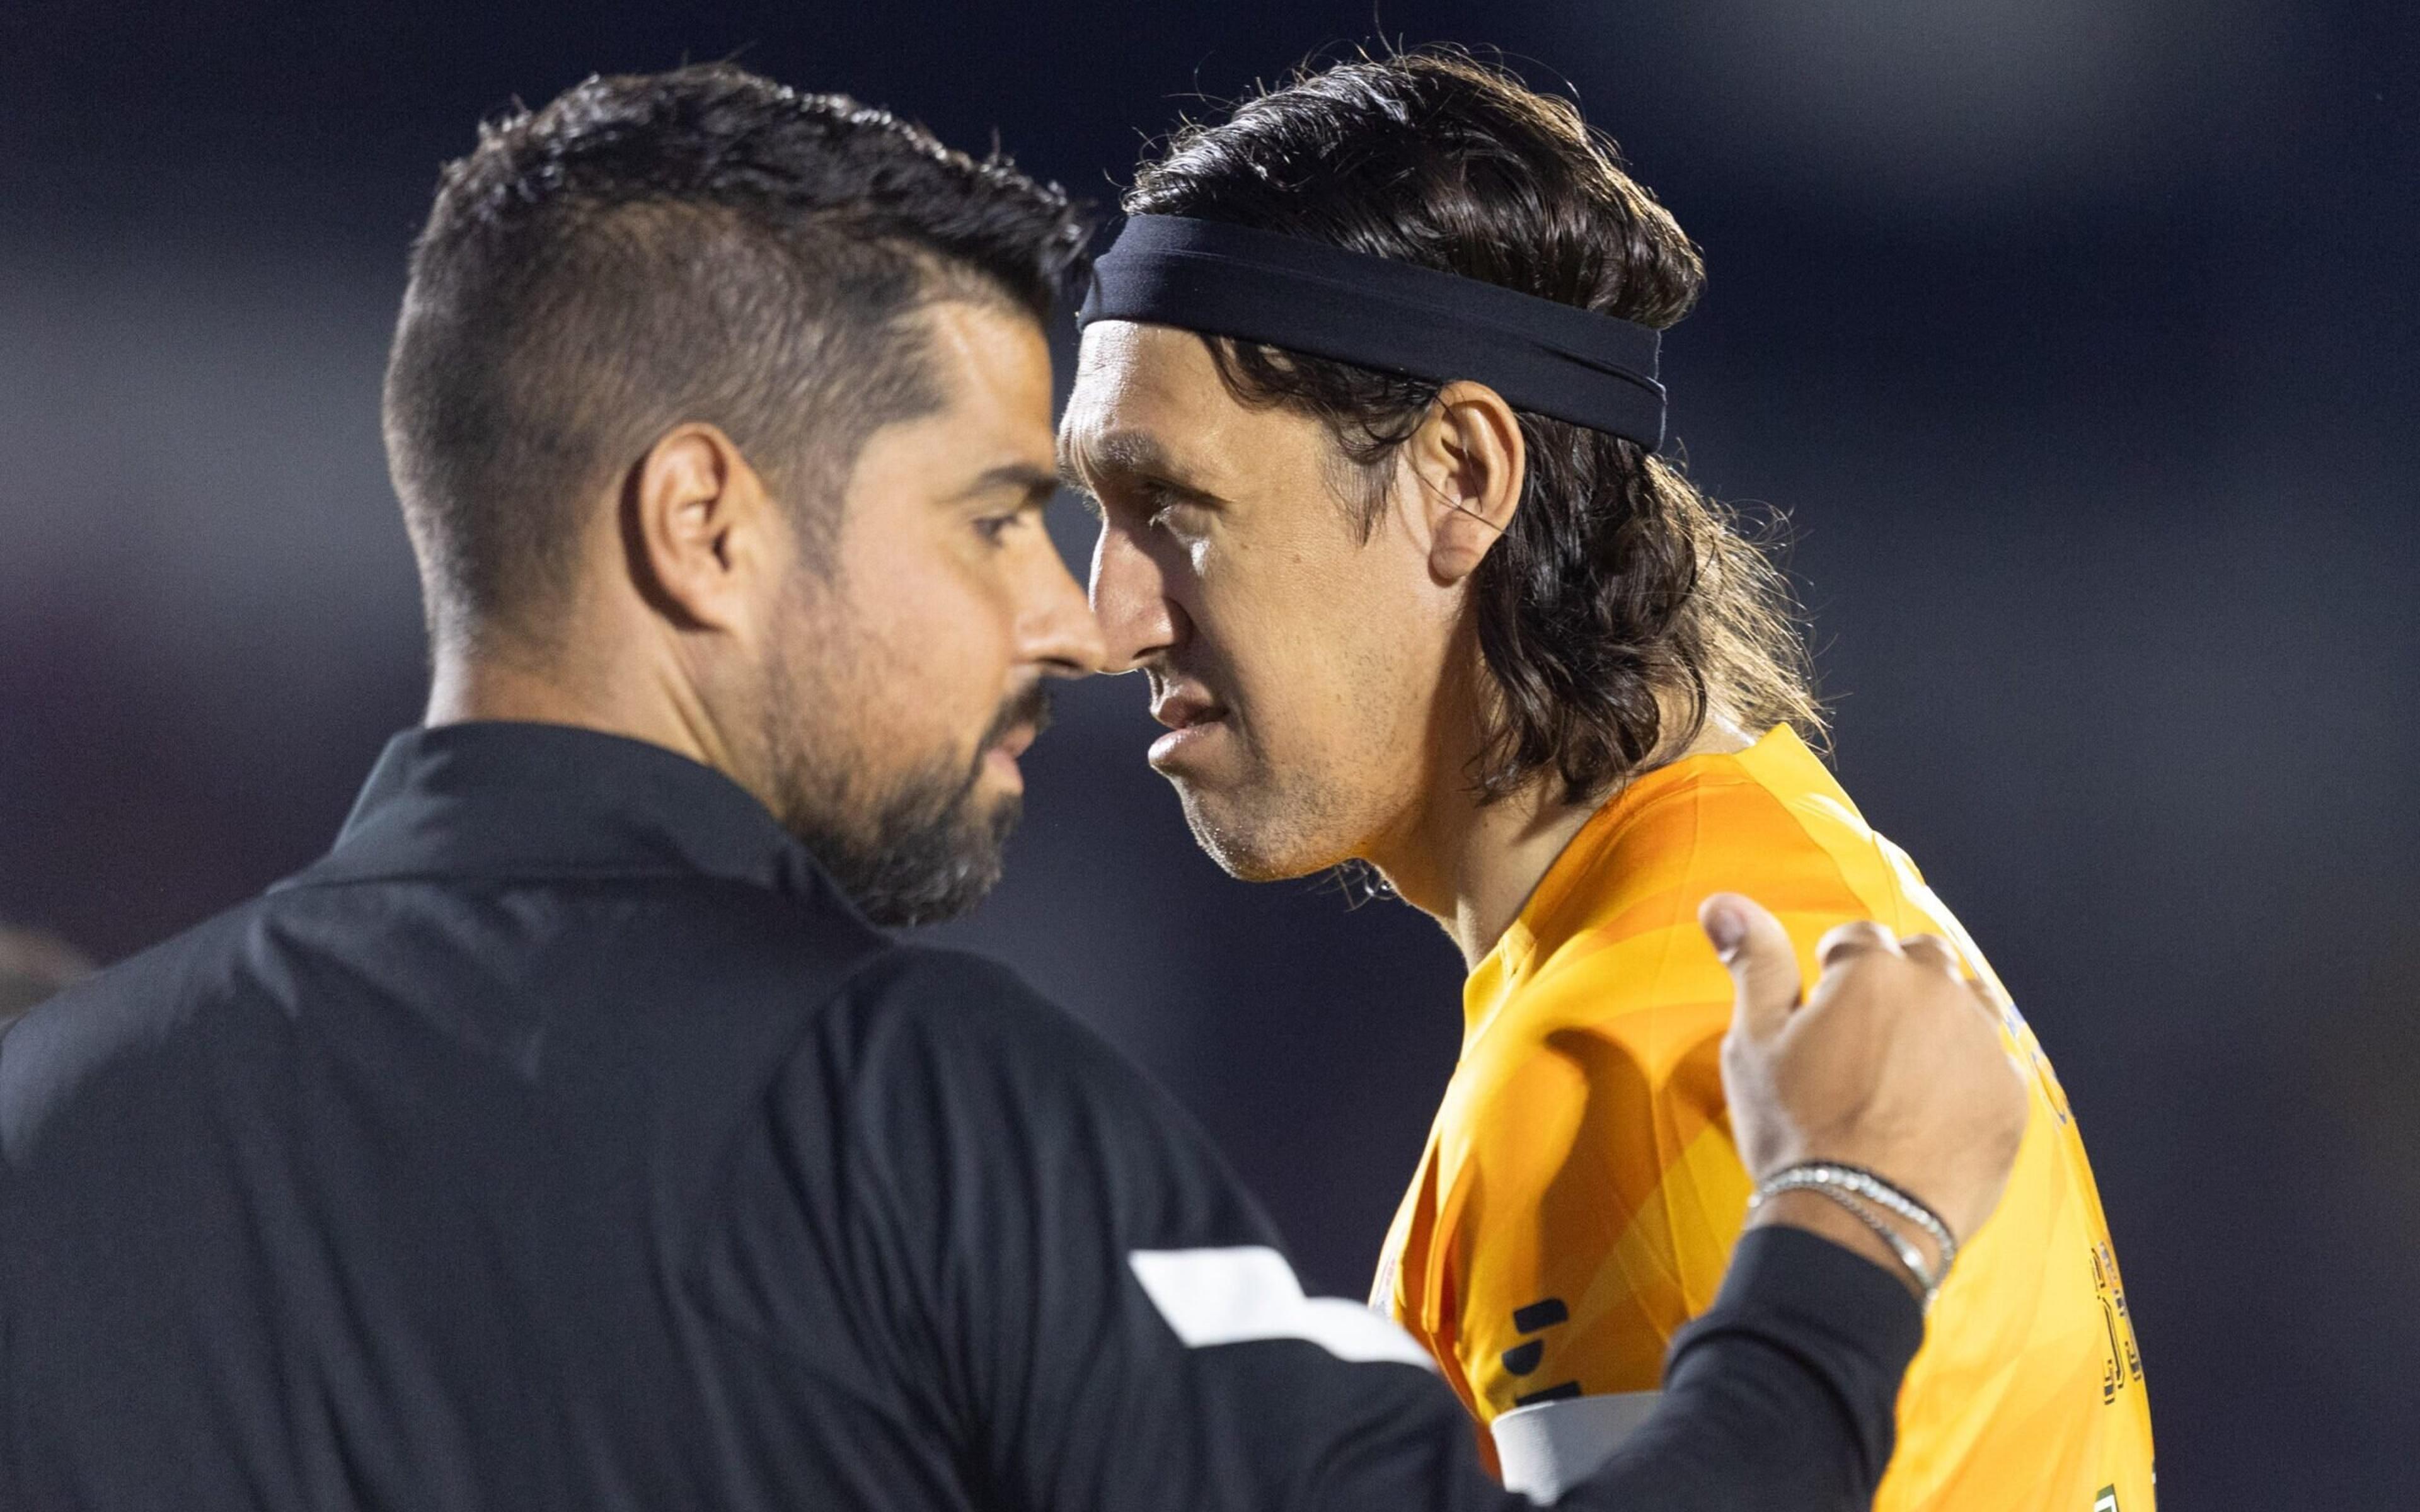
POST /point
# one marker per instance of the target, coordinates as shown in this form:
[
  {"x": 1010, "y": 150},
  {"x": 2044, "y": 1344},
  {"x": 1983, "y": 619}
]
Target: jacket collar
[{"x": 495, "y": 799}]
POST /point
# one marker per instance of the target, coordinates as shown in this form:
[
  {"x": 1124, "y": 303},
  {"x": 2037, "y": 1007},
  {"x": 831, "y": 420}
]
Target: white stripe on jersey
[{"x": 1233, "y": 1296}]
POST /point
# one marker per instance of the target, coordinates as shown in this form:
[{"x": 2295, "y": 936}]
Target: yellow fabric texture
[{"x": 1580, "y": 1192}]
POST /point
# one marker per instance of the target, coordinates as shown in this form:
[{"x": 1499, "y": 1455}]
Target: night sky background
[{"x": 2077, "y": 340}]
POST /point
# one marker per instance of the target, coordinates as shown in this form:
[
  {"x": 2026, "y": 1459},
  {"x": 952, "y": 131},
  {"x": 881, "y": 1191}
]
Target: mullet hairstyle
[
  {"x": 648, "y": 250},
  {"x": 1623, "y": 608}
]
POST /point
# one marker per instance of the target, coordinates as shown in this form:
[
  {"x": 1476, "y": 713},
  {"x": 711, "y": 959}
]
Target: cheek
[
  {"x": 1327, "y": 678},
  {"x": 929, "y": 660}
]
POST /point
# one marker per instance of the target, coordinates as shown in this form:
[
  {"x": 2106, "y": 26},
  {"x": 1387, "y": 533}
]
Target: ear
[
  {"x": 703, "y": 537},
  {"x": 1467, "y": 461}
]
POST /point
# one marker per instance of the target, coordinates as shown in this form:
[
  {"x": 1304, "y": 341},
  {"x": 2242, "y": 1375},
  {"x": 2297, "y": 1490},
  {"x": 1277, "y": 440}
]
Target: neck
[
  {"x": 1473, "y": 866},
  {"x": 503, "y": 680}
]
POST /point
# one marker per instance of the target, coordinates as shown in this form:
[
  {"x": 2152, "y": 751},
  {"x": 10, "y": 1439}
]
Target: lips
[
  {"x": 1192, "y": 718},
  {"x": 1181, "y": 709},
  {"x": 1017, "y": 741},
  {"x": 1018, "y": 726}
]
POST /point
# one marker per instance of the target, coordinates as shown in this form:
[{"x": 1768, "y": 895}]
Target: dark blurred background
[{"x": 2076, "y": 338}]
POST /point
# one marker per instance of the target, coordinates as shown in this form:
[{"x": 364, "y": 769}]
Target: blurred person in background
[
  {"x": 569, "y": 1136},
  {"x": 34, "y": 965},
  {"x": 1367, "y": 399}
]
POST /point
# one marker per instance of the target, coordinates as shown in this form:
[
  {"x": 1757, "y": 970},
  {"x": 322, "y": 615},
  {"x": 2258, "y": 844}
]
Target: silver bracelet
[
  {"x": 1865, "y": 1183},
  {"x": 1846, "y": 1185},
  {"x": 1894, "y": 1198}
]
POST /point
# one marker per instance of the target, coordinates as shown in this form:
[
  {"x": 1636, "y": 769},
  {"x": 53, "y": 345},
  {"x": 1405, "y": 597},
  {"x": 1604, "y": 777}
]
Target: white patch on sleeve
[
  {"x": 1233, "y": 1296},
  {"x": 1549, "y": 1448}
]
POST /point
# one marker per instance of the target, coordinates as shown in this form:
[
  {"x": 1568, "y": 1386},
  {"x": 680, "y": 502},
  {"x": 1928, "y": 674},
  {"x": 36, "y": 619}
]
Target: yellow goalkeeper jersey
[{"x": 1580, "y": 1194}]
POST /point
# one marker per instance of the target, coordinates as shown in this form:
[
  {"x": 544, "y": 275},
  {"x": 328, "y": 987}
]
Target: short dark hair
[
  {"x": 1620, "y": 593},
  {"x": 697, "y": 245}
]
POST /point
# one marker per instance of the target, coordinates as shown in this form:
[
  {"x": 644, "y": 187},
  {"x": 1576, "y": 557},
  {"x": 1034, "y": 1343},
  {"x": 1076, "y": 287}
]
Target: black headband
[{"x": 1307, "y": 296}]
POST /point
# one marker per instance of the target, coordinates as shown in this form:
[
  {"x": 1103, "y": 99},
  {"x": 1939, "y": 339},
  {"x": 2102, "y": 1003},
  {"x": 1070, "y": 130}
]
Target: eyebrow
[
  {"x": 1128, "y": 454},
  {"x": 1036, "y": 483}
]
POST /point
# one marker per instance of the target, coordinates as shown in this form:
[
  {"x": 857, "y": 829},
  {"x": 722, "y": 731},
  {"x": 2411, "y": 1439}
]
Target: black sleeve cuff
[{"x": 1843, "y": 1318}]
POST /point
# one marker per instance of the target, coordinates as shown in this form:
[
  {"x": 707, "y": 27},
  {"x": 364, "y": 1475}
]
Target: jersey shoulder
[
  {"x": 952, "y": 1062},
  {"x": 136, "y": 1024},
  {"x": 1609, "y": 945},
  {"x": 1771, "y": 822},
  {"x": 1594, "y": 1031},
  {"x": 1585, "y": 1168},
  {"x": 961, "y": 1017}
]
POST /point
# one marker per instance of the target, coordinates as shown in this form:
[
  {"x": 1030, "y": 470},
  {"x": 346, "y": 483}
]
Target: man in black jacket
[{"x": 569, "y": 1137}]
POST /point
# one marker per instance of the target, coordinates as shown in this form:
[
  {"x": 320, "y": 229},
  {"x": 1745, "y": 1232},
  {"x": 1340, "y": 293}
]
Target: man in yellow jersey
[{"x": 1367, "y": 399}]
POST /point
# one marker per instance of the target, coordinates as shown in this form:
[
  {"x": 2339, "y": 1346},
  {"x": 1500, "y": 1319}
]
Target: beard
[{"x": 911, "y": 846}]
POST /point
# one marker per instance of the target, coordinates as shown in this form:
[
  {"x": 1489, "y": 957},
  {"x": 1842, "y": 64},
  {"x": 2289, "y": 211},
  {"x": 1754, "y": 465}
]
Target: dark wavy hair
[
  {"x": 1623, "y": 606},
  {"x": 696, "y": 245}
]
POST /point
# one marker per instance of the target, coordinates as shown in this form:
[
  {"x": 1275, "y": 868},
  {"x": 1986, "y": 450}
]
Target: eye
[
  {"x": 994, "y": 528},
  {"x": 1162, "y": 507}
]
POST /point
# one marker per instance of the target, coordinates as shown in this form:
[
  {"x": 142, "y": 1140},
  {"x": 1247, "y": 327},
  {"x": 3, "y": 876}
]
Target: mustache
[
  {"x": 1029, "y": 705},
  {"x": 1198, "y": 665}
]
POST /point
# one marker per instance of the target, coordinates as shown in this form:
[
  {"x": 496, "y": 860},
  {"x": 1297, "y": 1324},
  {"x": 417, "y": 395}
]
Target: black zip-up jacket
[{"x": 562, "y": 1140}]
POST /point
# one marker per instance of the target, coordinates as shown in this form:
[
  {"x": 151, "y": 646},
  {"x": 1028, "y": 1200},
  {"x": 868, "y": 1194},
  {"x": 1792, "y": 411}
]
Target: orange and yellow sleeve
[{"x": 1599, "y": 1193}]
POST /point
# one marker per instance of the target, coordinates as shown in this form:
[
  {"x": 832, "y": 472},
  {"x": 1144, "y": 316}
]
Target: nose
[
  {"x": 1129, "y": 591},
  {"x": 1057, "y": 631}
]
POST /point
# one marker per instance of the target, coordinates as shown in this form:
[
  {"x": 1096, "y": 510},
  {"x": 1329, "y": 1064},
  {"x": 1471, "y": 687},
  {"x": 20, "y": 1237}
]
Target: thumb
[{"x": 1763, "y": 966}]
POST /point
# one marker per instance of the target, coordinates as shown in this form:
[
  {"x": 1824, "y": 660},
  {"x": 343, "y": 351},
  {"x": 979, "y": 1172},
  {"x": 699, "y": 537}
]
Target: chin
[{"x": 1253, "y": 845}]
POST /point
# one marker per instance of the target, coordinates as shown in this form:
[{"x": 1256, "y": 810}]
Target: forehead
[
  {"x": 1150, "y": 394},
  {"x": 993, "y": 366}
]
